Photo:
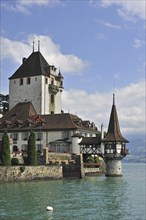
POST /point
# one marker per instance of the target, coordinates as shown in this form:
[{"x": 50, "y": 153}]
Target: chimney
[
  {"x": 102, "y": 132},
  {"x": 23, "y": 60}
]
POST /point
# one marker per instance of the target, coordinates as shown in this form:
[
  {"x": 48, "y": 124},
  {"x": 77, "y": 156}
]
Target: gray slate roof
[
  {"x": 34, "y": 65},
  {"x": 23, "y": 117}
]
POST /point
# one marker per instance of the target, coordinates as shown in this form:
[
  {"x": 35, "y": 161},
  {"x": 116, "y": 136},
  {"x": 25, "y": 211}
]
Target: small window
[
  {"x": 39, "y": 147},
  {"x": 25, "y": 136},
  {"x": 24, "y": 147},
  {"x": 46, "y": 80},
  {"x": 35, "y": 78},
  {"x": 39, "y": 136},
  {"x": 52, "y": 81},
  {"x": 52, "y": 98},
  {"x": 21, "y": 82},
  {"x": 14, "y": 81},
  {"x": 15, "y": 136},
  {"x": 28, "y": 80}
]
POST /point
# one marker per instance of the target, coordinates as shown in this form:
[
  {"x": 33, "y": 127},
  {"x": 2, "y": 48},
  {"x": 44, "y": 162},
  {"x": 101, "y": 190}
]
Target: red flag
[{"x": 37, "y": 118}]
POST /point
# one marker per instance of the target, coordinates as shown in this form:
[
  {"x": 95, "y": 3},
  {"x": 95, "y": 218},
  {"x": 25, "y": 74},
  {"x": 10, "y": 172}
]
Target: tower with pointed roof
[
  {"x": 114, "y": 145},
  {"x": 37, "y": 82}
]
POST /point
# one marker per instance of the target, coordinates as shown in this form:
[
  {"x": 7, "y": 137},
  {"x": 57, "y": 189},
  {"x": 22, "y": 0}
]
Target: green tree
[
  {"x": 5, "y": 150},
  {"x": 31, "y": 150}
]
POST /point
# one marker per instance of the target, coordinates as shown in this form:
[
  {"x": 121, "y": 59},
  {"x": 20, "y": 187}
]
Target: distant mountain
[{"x": 137, "y": 150}]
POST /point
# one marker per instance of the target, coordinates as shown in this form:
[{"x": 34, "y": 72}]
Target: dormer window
[
  {"x": 18, "y": 123},
  {"x": 29, "y": 122},
  {"x": 21, "y": 82}
]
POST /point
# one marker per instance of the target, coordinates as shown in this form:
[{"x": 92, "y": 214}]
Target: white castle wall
[
  {"x": 26, "y": 92},
  {"x": 58, "y": 105},
  {"x": 36, "y": 92}
]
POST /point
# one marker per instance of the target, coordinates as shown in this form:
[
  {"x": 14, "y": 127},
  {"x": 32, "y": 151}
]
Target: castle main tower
[
  {"x": 37, "y": 81},
  {"x": 114, "y": 145}
]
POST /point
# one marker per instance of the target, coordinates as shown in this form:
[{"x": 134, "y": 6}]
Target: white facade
[
  {"x": 75, "y": 145},
  {"x": 21, "y": 91},
  {"x": 19, "y": 141},
  {"x": 44, "y": 93}
]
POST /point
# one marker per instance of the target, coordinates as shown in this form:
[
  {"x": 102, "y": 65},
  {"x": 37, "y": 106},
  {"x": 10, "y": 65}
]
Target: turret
[{"x": 114, "y": 145}]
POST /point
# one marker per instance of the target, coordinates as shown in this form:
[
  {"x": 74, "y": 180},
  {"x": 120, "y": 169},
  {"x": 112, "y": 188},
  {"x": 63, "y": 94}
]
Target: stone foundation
[
  {"x": 74, "y": 169},
  {"x": 28, "y": 173},
  {"x": 113, "y": 168}
]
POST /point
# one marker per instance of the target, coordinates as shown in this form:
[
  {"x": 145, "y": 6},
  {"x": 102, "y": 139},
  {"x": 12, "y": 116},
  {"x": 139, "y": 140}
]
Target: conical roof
[
  {"x": 34, "y": 65},
  {"x": 114, "y": 133}
]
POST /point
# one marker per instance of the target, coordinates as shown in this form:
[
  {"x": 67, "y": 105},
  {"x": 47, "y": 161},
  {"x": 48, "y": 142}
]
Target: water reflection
[{"x": 49, "y": 215}]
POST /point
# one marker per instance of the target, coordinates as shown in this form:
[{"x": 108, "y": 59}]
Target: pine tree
[
  {"x": 5, "y": 150},
  {"x": 31, "y": 150}
]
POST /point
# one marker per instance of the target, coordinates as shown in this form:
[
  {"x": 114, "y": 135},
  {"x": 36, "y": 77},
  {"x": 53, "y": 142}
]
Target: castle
[{"x": 35, "y": 92}]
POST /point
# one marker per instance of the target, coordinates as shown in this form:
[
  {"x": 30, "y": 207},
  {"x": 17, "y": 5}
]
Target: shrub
[
  {"x": 22, "y": 169},
  {"x": 31, "y": 150},
  {"x": 5, "y": 150},
  {"x": 14, "y": 161}
]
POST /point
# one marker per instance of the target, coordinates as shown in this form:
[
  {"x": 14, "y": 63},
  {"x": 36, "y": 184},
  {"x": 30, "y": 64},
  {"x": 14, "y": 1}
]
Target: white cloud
[
  {"x": 138, "y": 43},
  {"x": 96, "y": 107},
  {"x": 129, "y": 10},
  {"x": 36, "y": 2},
  {"x": 108, "y": 24},
  {"x": 23, "y": 6},
  {"x": 16, "y": 50}
]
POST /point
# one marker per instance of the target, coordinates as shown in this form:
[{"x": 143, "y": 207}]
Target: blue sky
[{"x": 99, "y": 47}]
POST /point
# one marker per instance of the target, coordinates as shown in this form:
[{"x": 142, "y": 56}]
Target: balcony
[{"x": 53, "y": 89}]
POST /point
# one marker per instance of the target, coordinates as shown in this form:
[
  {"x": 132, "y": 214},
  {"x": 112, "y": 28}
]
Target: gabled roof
[
  {"x": 34, "y": 65},
  {"x": 114, "y": 133},
  {"x": 20, "y": 112},
  {"x": 26, "y": 113}
]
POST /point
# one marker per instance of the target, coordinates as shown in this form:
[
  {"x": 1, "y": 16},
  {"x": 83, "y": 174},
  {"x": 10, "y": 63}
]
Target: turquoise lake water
[{"x": 92, "y": 198}]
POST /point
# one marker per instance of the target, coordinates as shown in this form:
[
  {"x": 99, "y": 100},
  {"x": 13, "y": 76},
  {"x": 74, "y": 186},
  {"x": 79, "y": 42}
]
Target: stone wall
[
  {"x": 113, "y": 168},
  {"x": 74, "y": 169},
  {"x": 27, "y": 173},
  {"x": 92, "y": 171}
]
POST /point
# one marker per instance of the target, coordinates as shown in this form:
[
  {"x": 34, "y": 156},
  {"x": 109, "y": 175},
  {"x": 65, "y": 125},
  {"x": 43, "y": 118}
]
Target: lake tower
[{"x": 114, "y": 145}]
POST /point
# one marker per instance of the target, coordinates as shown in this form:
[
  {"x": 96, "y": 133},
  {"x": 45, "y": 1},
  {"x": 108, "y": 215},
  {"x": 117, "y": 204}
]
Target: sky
[{"x": 99, "y": 47}]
